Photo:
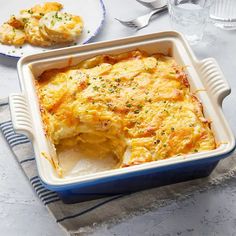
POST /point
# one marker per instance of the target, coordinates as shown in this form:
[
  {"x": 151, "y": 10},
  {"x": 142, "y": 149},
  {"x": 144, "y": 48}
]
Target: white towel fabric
[{"x": 86, "y": 216}]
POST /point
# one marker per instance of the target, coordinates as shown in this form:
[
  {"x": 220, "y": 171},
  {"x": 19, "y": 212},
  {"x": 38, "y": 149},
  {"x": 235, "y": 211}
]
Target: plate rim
[{"x": 82, "y": 43}]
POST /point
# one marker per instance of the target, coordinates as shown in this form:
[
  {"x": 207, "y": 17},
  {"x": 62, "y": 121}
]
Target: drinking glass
[
  {"x": 189, "y": 17},
  {"x": 223, "y": 14}
]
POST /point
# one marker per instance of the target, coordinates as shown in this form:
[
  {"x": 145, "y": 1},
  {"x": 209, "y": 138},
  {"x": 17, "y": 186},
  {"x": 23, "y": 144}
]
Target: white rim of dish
[{"x": 86, "y": 41}]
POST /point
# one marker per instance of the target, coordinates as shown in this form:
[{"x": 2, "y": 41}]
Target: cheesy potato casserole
[
  {"x": 42, "y": 25},
  {"x": 137, "y": 106}
]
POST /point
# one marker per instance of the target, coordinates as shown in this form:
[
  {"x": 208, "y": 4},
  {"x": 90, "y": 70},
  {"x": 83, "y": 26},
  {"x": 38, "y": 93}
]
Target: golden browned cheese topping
[
  {"x": 135, "y": 105},
  {"x": 42, "y": 25}
]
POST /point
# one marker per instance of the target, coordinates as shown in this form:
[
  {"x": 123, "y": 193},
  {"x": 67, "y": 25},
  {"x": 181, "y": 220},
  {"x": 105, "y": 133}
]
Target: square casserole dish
[{"x": 204, "y": 76}]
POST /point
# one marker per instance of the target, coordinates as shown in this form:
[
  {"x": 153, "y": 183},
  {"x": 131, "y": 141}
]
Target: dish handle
[
  {"x": 214, "y": 79},
  {"x": 20, "y": 115}
]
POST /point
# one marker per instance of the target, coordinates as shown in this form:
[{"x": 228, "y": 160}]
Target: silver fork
[
  {"x": 142, "y": 21},
  {"x": 153, "y": 4}
]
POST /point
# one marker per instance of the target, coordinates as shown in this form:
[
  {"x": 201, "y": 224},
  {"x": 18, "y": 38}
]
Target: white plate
[{"x": 92, "y": 12}]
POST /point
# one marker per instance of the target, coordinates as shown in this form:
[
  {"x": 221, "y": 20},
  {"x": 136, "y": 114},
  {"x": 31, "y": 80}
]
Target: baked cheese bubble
[{"x": 61, "y": 27}]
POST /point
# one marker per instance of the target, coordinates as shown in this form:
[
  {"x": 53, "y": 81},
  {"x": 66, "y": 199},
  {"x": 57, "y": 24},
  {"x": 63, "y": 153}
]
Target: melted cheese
[
  {"x": 10, "y": 35},
  {"x": 60, "y": 26},
  {"x": 42, "y": 25},
  {"x": 137, "y": 106}
]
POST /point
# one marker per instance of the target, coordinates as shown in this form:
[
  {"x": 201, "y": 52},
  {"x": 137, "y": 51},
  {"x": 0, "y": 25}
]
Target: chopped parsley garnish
[
  {"x": 95, "y": 88},
  {"x": 52, "y": 22}
]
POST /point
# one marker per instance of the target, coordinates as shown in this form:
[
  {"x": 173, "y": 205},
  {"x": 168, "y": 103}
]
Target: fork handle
[{"x": 159, "y": 10}]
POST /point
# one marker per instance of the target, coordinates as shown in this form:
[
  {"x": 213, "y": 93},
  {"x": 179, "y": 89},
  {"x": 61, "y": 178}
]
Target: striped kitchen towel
[{"x": 85, "y": 217}]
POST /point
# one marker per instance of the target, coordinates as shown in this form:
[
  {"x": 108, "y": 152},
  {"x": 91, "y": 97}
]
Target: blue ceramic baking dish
[{"x": 204, "y": 76}]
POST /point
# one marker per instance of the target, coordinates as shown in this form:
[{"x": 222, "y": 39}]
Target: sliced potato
[
  {"x": 42, "y": 25},
  {"x": 12, "y": 36},
  {"x": 38, "y": 11},
  {"x": 16, "y": 22},
  {"x": 61, "y": 27},
  {"x": 33, "y": 34}
]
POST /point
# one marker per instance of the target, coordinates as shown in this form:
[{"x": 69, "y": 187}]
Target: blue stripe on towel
[
  {"x": 37, "y": 185},
  {"x": 4, "y": 104},
  {"x": 47, "y": 195},
  {"x": 90, "y": 209},
  {"x": 9, "y": 133},
  {"x": 35, "y": 181},
  {"x": 6, "y": 122},
  {"x": 21, "y": 142},
  {"x": 17, "y": 138},
  {"x": 39, "y": 188},
  {"x": 12, "y": 138},
  {"x": 33, "y": 178},
  {"x": 5, "y": 126},
  {"x": 48, "y": 202},
  {"x": 8, "y": 130},
  {"x": 27, "y": 160},
  {"x": 50, "y": 198},
  {"x": 43, "y": 191}
]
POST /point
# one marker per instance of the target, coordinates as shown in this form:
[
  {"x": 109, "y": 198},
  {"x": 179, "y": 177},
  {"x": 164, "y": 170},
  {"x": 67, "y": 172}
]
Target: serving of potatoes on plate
[{"x": 42, "y": 25}]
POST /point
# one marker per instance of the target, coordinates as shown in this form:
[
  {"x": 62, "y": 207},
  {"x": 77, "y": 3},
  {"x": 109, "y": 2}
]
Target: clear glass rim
[
  {"x": 206, "y": 4},
  {"x": 221, "y": 19}
]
